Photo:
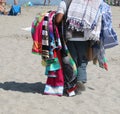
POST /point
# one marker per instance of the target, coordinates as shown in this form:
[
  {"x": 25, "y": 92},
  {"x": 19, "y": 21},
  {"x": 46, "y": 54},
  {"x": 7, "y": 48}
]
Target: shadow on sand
[{"x": 37, "y": 87}]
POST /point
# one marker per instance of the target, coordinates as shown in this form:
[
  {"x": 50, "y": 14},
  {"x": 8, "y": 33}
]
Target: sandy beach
[{"x": 22, "y": 78}]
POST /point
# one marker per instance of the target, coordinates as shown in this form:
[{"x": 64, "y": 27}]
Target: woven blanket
[{"x": 82, "y": 13}]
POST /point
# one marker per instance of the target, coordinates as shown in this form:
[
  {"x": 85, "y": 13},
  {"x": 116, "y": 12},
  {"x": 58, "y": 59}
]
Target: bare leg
[
  {"x": 48, "y": 2},
  {"x": 2, "y": 8},
  {"x": 44, "y": 2}
]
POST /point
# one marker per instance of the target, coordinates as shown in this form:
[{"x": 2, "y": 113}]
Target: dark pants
[{"x": 78, "y": 51}]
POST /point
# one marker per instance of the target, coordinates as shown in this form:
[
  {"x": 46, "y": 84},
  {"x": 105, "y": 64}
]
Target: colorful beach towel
[
  {"x": 15, "y": 10},
  {"x": 36, "y": 32}
]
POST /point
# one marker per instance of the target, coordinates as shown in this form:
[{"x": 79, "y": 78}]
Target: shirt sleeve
[{"x": 61, "y": 8}]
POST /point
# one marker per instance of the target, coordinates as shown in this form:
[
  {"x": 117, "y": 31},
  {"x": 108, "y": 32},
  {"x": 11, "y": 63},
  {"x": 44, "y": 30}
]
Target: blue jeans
[{"x": 78, "y": 51}]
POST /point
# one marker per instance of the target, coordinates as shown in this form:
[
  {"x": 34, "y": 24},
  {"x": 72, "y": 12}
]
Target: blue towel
[{"x": 15, "y": 9}]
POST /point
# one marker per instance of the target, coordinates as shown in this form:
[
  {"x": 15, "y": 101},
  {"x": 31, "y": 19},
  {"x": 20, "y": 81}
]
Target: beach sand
[{"x": 22, "y": 78}]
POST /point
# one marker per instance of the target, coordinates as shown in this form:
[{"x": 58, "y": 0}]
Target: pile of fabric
[{"x": 48, "y": 42}]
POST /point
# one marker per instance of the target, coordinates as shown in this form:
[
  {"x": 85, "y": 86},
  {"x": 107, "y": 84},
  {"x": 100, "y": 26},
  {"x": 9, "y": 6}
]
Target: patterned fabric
[
  {"x": 99, "y": 53},
  {"x": 68, "y": 65},
  {"x": 53, "y": 90},
  {"x": 108, "y": 35},
  {"x": 86, "y": 19},
  {"x": 68, "y": 60},
  {"x": 55, "y": 85},
  {"x": 45, "y": 39},
  {"x": 85, "y": 14},
  {"x": 50, "y": 37},
  {"x": 70, "y": 72},
  {"x": 51, "y": 54},
  {"x": 36, "y": 33},
  {"x": 54, "y": 37},
  {"x": 52, "y": 65}
]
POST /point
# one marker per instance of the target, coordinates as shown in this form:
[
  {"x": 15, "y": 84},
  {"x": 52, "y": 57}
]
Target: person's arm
[
  {"x": 60, "y": 12},
  {"x": 2, "y": 8},
  {"x": 58, "y": 18}
]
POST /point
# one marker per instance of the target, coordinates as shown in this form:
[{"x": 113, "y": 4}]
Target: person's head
[
  {"x": 2, "y": 3},
  {"x": 15, "y": 2}
]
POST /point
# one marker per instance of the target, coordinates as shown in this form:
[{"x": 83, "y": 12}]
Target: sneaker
[
  {"x": 81, "y": 86},
  {"x": 77, "y": 91}
]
